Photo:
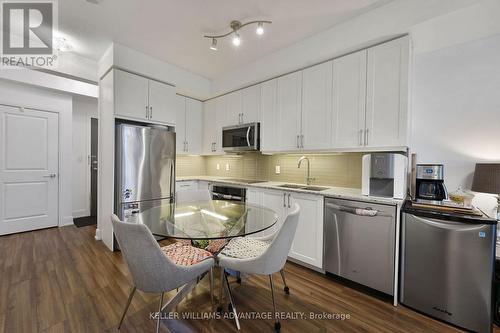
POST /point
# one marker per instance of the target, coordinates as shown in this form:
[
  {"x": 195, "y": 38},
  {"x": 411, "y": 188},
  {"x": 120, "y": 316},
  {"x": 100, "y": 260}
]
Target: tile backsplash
[{"x": 336, "y": 169}]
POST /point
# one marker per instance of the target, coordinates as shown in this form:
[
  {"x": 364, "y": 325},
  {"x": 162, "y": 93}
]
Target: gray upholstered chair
[
  {"x": 154, "y": 269},
  {"x": 271, "y": 259}
]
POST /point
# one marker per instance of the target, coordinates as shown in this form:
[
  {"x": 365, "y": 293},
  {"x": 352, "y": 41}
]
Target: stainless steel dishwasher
[{"x": 360, "y": 242}]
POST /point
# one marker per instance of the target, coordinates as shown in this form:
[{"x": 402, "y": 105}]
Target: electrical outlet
[
  {"x": 217, "y": 166},
  {"x": 228, "y": 167},
  {"x": 277, "y": 169}
]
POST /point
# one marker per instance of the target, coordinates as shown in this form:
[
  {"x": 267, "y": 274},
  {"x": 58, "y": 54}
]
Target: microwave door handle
[{"x": 248, "y": 135}]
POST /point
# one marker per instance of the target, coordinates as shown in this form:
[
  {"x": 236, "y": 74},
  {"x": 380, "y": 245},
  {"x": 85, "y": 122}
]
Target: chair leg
[
  {"x": 286, "y": 289},
  {"x": 277, "y": 325},
  {"x": 231, "y": 303},
  {"x": 159, "y": 314},
  {"x": 212, "y": 286},
  {"x": 132, "y": 292},
  {"x": 219, "y": 307}
]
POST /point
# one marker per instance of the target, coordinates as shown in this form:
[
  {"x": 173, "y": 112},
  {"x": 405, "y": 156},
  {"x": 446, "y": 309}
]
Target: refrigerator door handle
[
  {"x": 172, "y": 181},
  {"x": 448, "y": 225}
]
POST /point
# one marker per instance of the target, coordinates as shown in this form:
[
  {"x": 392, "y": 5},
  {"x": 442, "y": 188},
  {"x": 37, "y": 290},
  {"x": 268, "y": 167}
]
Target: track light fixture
[{"x": 235, "y": 28}]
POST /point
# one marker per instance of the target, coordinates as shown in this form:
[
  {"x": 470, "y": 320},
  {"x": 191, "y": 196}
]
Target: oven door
[{"x": 241, "y": 137}]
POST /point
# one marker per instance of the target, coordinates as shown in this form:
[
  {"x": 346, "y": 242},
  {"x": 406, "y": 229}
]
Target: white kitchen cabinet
[
  {"x": 188, "y": 126},
  {"x": 269, "y": 117},
  {"x": 289, "y": 105},
  {"x": 209, "y": 130},
  {"x": 233, "y": 108},
  {"x": 349, "y": 96},
  {"x": 387, "y": 94},
  {"x": 250, "y": 104},
  {"x": 276, "y": 201},
  {"x": 220, "y": 121},
  {"x": 194, "y": 126},
  {"x": 131, "y": 95},
  {"x": 180, "y": 124},
  {"x": 143, "y": 99},
  {"x": 308, "y": 242},
  {"x": 161, "y": 102},
  {"x": 186, "y": 185},
  {"x": 203, "y": 185},
  {"x": 317, "y": 107}
]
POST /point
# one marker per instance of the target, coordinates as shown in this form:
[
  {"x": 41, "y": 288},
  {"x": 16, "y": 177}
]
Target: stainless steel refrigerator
[{"x": 144, "y": 168}]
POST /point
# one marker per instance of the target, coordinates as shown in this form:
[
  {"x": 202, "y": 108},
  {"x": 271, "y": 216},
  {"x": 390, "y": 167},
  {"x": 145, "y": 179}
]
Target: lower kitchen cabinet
[
  {"x": 308, "y": 242},
  {"x": 307, "y": 245}
]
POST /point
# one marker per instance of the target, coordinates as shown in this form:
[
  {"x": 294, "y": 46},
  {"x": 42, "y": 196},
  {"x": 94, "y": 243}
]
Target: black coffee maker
[{"x": 430, "y": 183}]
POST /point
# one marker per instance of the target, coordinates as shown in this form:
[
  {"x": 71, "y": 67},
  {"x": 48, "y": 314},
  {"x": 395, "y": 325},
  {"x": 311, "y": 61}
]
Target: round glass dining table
[{"x": 205, "y": 220}]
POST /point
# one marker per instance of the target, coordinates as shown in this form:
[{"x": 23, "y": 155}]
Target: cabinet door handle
[
  {"x": 187, "y": 146},
  {"x": 298, "y": 141},
  {"x": 284, "y": 198},
  {"x": 147, "y": 113},
  {"x": 366, "y": 137},
  {"x": 360, "y": 137},
  {"x": 289, "y": 200},
  {"x": 302, "y": 140},
  {"x": 150, "y": 112},
  {"x": 242, "y": 117}
]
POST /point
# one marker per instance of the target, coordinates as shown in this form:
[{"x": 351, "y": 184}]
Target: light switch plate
[
  {"x": 278, "y": 169},
  {"x": 217, "y": 166},
  {"x": 227, "y": 167}
]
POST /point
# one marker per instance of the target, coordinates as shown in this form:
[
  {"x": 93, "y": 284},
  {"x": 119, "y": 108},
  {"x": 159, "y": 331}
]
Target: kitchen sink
[{"x": 304, "y": 187}]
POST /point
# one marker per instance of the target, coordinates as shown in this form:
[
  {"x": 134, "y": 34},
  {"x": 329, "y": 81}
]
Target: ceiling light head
[
  {"x": 236, "y": 39},
  {"x": 214, "y": 44},
  {"x": 260, "y": 29}
]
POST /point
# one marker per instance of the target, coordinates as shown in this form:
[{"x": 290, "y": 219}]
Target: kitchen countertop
[{"x": 334, "y": 192}]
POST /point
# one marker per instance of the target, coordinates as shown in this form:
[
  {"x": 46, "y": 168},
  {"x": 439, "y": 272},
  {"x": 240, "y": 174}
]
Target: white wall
[
  {"x": 186, "y": 82},
  {"x": 27, "y": 96},
  {"x": 83, "y": 110},
  {"x": 456, "y": 108}
]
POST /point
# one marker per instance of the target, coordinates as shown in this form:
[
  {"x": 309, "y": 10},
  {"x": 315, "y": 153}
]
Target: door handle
[
  {"x": 289, "y": 200},
  {"x": 360, "y": 137},
  {"x": 147, "y": 113},
  {"x": 284, "y": 199},
  {"x": 150, "y": 112},
  {"x": 298, "y": 141},
  {"x": 187, "y": 146},
  {"x": 50, "y": 175},
  {"x": 366, "y": 137},
  {"x": 302, "y": 140}
]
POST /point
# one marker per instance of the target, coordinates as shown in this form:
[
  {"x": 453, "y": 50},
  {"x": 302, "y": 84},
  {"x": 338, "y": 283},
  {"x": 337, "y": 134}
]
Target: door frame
[{"x": 29, "y": 97}]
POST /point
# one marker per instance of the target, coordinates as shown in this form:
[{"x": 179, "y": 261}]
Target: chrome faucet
[{"x": 309, "y": 179}]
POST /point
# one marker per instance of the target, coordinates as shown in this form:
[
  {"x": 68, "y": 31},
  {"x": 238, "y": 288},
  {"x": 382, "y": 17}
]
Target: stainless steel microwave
[{"x": 238, "y": 138}]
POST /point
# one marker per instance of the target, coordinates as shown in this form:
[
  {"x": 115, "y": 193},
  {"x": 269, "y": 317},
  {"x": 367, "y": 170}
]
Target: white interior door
[{"x": 28, "y": 169}]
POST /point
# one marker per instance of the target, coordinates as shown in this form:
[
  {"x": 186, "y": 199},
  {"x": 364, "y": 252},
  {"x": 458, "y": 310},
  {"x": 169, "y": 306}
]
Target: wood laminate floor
[{"x": 62, "y": 280}]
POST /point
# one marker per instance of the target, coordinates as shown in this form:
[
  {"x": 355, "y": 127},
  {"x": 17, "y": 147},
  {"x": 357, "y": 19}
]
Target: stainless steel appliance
[
  {"x": 229, "y": 193},
  {"x": 360, "y": 242},
  {"x": 144, "y": 168},
  {"x": 447, "y": 266},
  {"x": 384, "y": 175},
  {"x": 240, "y": 138},
  {"x": 430, "y": 183}
]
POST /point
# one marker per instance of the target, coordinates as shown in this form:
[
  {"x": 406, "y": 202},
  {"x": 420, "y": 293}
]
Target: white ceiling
[{"x": 172, "y": 30}]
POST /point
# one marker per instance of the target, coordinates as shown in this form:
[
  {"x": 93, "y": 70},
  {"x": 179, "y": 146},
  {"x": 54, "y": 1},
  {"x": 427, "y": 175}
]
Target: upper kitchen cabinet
[
  {"x": 194, "y": 126},
  {"x": 143, "y": 99},
  {"x": 243, "y": 106},
  {"x": 269, "y": 116},
  {"x": 289, "y": 106},
  {"x": 180, "y": 124},
  {"x": 349, "y": 97},
  {"x": 131, "y": 95},
  {"x": 233, "y": 108},
  {"x": 161, "y": 102},
  {"x": 250, "y": 104},
  {"x": 209, "y": 133},
  {"x": 188, "y": 126},
  {"x": 220, "y": 121},
  {"x": 387, "y": 94},
  {"x": 317, "y": 107}
]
